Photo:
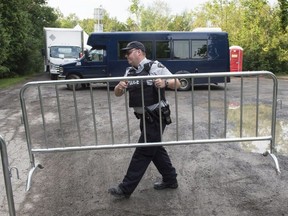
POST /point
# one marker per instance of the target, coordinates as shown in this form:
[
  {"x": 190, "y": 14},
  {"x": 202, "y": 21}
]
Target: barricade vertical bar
[
  {"x": 7, "y": 178},
  {"x": 42, "y": 112},
  {"x": 209, "y": 107},
  {"x": 127, "y": 116},
  {"x": 160, "y": 113},
  {"x": 76, "y": 114},
  {"x": 176, "y": 112},
  {"x": 26, "y": 126},
  {"x": 93, "y": 113},
  {"x": 225, "y": 107},
  {"x": 143, "y": 110},
  {"x": 28, "y": 139},
  {"x": 257, "y": 107},
  {"x": 273, "y": 122},
  {"x": 59, "y": 114},
  {"x": 241, "y": 108},
  {"x": 193, "y": 110},
  {"x": 110, "y": 112}
]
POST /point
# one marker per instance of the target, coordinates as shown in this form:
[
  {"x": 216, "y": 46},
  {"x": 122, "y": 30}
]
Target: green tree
[
  {"x": 87, "y": 25},
  {"x": 22, "y": 23},
  {"x": 32, "y": 56},
  {"x": 4, "y": 44},
  {"x": 283, "y": 4},
  {"x": 156, "y": 17},
  {"x": 134, "y": 20},
  {"x": 182, "y": 22},
  {"x": 251, "y": 24},
  {"x": 113, "y": 25},
  {"x": 16, "y": 23},
  {"x": 69, "y": 22},
  {"x": 257, "y": 34}
]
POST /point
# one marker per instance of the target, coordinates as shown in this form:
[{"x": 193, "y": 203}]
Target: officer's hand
[
  {"x": 122, "y": 85},
  {"x": 159, "y": 83}
]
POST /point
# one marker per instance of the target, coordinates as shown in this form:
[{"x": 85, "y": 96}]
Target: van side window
[
  {"x": 181, "y": 49},
  {"x": 199, "y": 49},
  {"x": 122, "y": 44},
  {"x": 162, "y": 49}
]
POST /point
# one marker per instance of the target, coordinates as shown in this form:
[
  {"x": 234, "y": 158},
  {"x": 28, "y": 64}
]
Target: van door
[{"x": 95, "y": 64}]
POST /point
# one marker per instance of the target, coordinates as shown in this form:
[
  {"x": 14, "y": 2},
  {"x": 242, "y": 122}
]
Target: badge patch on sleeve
[{"x": 160, "y": 65}]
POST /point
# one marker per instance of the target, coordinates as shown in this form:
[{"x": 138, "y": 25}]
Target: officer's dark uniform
[{"x": 144, "y": 155}]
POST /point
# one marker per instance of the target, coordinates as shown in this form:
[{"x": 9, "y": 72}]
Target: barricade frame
[
  {"x": 32, "y": 151},
  {"x": 7, "y": 177}
]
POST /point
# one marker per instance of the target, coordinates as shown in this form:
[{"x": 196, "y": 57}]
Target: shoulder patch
[{"x": 160, "y": 65}]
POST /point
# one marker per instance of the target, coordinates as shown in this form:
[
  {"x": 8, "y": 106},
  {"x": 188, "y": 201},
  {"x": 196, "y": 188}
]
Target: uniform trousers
[{"x": 144, "y": 155}]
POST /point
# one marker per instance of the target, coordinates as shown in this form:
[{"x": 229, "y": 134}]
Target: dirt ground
[{"x": 217, "y": 179}]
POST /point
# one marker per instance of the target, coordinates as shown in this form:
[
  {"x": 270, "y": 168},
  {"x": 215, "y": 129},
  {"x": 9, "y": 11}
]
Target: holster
[{"x": 148, "y": 116}]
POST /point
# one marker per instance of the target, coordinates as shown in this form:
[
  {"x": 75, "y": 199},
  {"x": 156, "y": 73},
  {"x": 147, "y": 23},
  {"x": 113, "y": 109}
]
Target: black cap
[{"x": 134, "y": 45}]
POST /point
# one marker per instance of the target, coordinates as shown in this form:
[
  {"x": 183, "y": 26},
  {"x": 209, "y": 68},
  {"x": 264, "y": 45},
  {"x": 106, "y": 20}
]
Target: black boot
[
  {"x": 117, "y": 192},
  {"x": 163, "y": 185}
]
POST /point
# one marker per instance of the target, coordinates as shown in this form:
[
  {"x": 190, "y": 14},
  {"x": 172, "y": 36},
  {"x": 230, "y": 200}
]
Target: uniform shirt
[{"x": 156, "y": 69}]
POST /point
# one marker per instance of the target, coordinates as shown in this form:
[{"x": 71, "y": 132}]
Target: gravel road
[{"x": 217, "y": 179}]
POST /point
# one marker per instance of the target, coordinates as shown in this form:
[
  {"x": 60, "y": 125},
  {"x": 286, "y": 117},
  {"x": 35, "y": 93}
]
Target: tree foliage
[
  {"x": 283, "y": 14},
  {"x": 261, "y": 29},
  {"x": 253, "y": 25},
  {"x": 22, "y": 23}
]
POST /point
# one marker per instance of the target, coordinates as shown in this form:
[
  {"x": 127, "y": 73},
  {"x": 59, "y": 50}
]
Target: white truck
[{"x": 62, "y": 45}]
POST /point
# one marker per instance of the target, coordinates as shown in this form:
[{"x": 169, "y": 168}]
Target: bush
[{"x": 4, "y": 72}]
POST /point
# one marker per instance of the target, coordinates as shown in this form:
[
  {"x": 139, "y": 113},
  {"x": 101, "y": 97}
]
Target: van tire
[
  {"x": 77, "y": 86},
  {"x": 185, "y": 83}
]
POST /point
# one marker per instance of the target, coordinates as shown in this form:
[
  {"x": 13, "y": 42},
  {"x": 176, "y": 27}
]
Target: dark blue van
[{"x": 180, "y": 52}]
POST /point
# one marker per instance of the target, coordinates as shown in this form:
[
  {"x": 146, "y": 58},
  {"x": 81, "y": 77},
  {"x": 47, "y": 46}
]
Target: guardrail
[
  {"x": 61, "y": 120},
  {"x": 7, "y": 177}
]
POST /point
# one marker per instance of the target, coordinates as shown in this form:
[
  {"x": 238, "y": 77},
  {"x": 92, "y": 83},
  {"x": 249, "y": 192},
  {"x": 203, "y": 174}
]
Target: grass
[{"x": 7, "y": 82}]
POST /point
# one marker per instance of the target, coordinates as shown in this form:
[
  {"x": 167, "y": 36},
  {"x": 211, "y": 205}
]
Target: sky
[{"x": 84, "y": 9}]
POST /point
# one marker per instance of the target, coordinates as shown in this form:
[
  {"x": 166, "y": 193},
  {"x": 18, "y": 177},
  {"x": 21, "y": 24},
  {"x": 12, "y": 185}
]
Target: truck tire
[
  {"x": 54, "y": 76},
  {"x": 185, "y": 83},
  {"x": 77, "y": 85}
]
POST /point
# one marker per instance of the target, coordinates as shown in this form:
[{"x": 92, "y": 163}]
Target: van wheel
[
  {"x": 77, "y": 85},
  {"x": 185, "y": 84}
]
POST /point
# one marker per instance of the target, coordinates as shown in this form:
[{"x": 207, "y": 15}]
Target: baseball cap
[{"x": 134, "y": 45}]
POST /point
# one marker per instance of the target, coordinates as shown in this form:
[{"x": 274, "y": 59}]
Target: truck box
[{"x": 62, "y": 45}]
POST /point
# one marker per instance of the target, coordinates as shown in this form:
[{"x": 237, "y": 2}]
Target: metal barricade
[
  {"x": 7, "y": 177},
  {"x": 60, "y": 120}
]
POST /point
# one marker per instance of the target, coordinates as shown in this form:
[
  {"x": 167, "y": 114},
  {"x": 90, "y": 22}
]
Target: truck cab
[
  {"x": 61, "y": 55},
  {"x": 93, "y": 64}
]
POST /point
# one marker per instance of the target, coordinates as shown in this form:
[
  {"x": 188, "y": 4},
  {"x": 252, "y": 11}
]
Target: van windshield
[{"x": 65, "y": 51}]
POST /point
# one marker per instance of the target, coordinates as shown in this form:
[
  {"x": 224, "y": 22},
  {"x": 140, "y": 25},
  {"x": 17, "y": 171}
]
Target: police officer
[{"x": 140, "y": 65}]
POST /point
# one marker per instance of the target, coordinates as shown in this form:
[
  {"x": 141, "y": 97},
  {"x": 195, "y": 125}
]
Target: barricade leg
[
  {"x": 275, "y": 161},
  {"x": 7, "y": 178},
  {"x": 29, "y": 178}
]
